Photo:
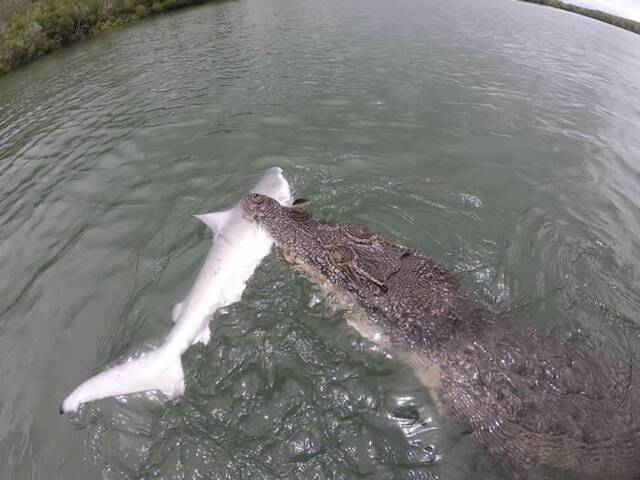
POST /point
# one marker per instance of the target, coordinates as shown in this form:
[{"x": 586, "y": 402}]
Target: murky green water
[{"x": 500, "y": 137}]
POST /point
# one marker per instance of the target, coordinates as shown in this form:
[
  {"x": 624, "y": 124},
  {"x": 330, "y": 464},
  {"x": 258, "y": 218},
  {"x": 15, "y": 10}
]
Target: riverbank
[
  {"x": 595, "y": 14},
  {"x": 33, "y": 28}
]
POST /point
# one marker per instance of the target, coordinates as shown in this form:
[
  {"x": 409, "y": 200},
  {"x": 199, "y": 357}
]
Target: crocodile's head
[
  {"x": 348, "y": 256},
  {"x": 406, "y": 288}
]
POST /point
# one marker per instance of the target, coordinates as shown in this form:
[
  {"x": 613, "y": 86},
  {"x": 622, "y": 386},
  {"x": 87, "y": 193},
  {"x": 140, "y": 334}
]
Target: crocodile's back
[{"x": 532, "y": 402}]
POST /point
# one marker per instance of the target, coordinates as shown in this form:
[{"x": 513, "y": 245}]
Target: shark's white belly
[{"x": 239, "y": 247}]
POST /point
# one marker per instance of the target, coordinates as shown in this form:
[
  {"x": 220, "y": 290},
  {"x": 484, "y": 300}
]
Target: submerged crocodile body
[{"x": 532, "y": 402}]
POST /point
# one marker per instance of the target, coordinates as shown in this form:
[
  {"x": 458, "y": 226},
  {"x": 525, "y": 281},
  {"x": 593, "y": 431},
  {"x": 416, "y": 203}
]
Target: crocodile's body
[{"x": 529, "y": 400}]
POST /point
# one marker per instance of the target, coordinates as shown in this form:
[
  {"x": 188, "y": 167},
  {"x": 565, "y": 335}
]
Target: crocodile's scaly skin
[{"x": 529, "y": 400}]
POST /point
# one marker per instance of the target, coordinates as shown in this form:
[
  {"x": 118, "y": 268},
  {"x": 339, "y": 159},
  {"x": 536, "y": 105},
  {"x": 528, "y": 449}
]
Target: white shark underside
[{"x": 239, "y": 247}]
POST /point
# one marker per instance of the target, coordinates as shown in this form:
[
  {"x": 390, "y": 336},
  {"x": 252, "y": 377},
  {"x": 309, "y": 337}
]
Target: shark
[{"x": 239, "y": 246}]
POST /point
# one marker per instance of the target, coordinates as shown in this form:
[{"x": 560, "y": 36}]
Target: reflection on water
[{"x": 498, "y": 137}]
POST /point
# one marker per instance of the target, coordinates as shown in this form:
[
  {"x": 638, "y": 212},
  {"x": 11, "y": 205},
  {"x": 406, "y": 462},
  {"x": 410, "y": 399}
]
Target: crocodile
[{"x": 535, "y": 404}]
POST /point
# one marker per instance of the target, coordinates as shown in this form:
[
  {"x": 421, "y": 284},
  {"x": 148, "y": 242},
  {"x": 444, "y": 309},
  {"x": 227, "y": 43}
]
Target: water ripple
[{"x": 502, "y": 141}]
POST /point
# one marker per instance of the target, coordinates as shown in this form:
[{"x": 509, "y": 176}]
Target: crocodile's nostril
[{"x": 257, "y": 198}]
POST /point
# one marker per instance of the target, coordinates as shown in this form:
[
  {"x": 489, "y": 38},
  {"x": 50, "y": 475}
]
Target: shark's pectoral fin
[
  {"x": 215, "y": 220},
  {"x": 204, "y": 336},
  {"x": 176, "y": 311}
]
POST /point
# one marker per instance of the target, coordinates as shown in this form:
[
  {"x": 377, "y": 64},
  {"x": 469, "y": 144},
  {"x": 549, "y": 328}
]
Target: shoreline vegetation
[
  {"x": 32, "y": 28},
  {"x": 625, "y": 23}
]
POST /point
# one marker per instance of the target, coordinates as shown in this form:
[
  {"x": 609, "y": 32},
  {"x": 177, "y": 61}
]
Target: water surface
[{"x": 497, "y": 136}]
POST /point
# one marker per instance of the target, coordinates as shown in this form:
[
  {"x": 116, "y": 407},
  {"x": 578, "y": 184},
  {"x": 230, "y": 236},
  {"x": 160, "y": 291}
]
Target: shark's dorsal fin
[{"x": 214, "y": 220}]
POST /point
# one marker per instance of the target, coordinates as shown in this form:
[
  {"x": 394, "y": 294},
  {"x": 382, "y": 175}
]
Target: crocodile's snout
[{"x": 255, "y": 205}]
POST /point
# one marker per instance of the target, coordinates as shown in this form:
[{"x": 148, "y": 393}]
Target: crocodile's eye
[
  {"x": 357, "y": 232},
  {"x": 340, "y": 255},
  {"x": 381, "y": 289}
]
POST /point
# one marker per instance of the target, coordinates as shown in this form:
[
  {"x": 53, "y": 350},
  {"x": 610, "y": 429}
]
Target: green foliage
[
  {"x": 34, "y": 28},
  {"x": 142, "y": 11},
  {"x": 157, "y": 7},
  {"x": 595, "y": 14}
]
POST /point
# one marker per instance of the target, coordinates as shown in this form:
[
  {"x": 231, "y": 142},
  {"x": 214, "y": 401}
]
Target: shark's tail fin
[{"x": 160, "y": 369}]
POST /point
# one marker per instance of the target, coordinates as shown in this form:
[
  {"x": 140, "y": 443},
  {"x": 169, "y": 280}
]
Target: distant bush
[
  {"x": 157, "y": 7},
  {"x": 142, "y": 11},
  {"x": 595, "y": 14},
  {"x": 33, "y": 28}
]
